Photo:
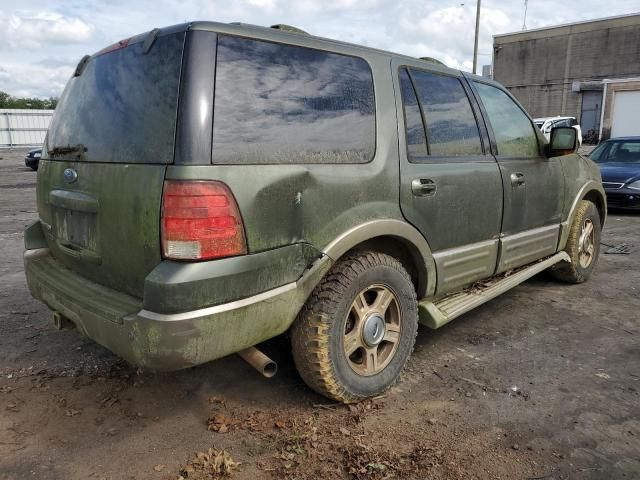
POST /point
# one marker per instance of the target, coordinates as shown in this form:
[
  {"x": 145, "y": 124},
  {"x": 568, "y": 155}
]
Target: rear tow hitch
[{"x": 61, "y": 322}]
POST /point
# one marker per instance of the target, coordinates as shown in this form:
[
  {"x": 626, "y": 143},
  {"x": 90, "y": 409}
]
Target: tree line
[{"x": 8, "y": 101}]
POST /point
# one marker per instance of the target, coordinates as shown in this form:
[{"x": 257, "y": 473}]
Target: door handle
[
  {"x": 517, "y": 179},
  {"x": 423, "y": 187}
]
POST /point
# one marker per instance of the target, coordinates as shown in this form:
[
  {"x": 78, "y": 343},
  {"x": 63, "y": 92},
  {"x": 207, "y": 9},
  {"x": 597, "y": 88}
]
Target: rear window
[
  {"x": 286, "y": 104},
  {"x": 122, "y": 108}
]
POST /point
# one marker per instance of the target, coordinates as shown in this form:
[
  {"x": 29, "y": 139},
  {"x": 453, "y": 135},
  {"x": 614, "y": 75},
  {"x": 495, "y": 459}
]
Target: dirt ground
[{"x": 541, "y": 383}]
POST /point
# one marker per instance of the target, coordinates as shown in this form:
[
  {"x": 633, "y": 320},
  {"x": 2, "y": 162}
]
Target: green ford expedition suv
[{"x": 206, "y": 187}]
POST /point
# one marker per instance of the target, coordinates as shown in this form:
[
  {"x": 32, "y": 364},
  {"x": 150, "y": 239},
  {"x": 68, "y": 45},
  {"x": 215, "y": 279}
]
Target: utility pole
[{"x": 475, "y": 43}]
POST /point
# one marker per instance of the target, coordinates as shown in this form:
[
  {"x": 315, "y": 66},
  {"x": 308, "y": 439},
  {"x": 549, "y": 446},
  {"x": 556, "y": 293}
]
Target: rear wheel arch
[
  {"x": 395, "y": 238},
  {"x": 406, "y": 253}
]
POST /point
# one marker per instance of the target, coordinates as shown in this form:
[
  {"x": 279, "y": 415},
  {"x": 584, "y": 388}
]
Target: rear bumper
[{"x": 162, "y": 341}]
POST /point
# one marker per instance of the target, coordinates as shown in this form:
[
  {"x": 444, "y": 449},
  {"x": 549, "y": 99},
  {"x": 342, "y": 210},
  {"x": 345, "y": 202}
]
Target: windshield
[
  {"x": 123, "y": 106},
  {"x": 617, "y": 152}
]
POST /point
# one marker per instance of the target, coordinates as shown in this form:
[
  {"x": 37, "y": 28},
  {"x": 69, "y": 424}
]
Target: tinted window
[
  {"x": 513, "y": 131},
  {"x": 617, "y": 152},
  {"x": 122, "y": 107},
  {"x": 286, "y": 104},
  {"x": 416, "y": 142},
  {"x": 451, "y": 125}
]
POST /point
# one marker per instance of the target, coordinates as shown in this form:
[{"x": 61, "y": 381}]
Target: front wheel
[
  {"x": 355, "y": 334},
  {"x": 583, "y": 245}
]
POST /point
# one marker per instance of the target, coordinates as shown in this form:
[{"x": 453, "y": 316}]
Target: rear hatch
[{"x": 103, "y": 164}]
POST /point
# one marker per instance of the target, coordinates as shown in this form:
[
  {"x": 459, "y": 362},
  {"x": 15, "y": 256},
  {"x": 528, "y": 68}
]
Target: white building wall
[{"x": 23, "y": 128}]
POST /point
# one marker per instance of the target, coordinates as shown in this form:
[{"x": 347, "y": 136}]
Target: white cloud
[
  {"x": 34, "y": 29},
  {"x": 67, "y": 29},
  {"x": 33, "y": 80}
]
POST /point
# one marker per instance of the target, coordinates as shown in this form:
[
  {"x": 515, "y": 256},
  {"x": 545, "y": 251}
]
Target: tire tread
[{"x": 310, "y": 333}]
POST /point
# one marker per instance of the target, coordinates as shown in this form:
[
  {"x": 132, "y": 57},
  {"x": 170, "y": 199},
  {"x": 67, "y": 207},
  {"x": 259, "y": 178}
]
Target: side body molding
[
  {"x": 402, "y": 231},
  {"x": 588, "y": 188}
]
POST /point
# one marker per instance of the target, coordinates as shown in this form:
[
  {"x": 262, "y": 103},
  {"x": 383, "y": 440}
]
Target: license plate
[{"x": 77, "y": 229}]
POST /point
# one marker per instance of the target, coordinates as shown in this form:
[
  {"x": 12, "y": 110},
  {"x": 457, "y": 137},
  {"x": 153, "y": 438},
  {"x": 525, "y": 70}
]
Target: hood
[{"x": 620, "y": 172}]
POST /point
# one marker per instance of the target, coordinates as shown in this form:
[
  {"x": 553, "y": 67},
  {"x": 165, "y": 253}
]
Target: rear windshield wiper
[{"x": 64, "y": 150}]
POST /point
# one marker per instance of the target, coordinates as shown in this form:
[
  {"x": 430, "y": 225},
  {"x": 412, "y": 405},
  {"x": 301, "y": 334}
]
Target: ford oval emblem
[{"x": 70, "y": 175}]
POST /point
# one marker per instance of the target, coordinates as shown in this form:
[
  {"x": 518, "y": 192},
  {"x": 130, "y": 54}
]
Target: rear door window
[
  {"x": 278, "y": 103},
  {"x": 512, "y": 128},
  {"x": 416, "y": 140},
  {"x": 450, "y": 123}
]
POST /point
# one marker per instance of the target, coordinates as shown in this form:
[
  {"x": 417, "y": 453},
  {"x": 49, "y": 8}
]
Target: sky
[{"x": 41, "y": 41}]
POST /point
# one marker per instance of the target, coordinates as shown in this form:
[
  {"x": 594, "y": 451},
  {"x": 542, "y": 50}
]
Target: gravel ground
[{"x": 542, "y": 382}]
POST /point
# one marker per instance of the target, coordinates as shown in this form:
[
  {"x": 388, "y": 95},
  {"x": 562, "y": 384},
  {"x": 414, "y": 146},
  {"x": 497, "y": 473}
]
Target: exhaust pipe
[{"x": 259, "y": 361}]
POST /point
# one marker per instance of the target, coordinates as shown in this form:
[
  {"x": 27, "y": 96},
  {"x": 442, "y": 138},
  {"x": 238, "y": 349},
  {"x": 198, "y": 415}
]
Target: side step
[{"x": 435, "y": 314}]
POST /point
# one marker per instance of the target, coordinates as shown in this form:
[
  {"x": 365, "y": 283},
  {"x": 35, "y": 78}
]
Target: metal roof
[{"x": 562, "y": 25}]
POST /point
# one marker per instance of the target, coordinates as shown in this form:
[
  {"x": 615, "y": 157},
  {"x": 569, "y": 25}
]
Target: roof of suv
[{"x": 304, "y": 39}]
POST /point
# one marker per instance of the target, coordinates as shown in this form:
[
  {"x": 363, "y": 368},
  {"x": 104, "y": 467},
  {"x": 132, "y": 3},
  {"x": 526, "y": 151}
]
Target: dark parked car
[
  {"x": 619, "y": 162},
  {"x": 32, "y": 159}
]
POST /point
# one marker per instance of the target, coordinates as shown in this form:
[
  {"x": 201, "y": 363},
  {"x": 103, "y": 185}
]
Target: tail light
[{"x": 200, "y": 221}]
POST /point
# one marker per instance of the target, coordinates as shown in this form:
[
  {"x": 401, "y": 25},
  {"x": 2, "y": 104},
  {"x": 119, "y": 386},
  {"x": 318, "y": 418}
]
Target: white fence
[{"x": 23, "y": 128}]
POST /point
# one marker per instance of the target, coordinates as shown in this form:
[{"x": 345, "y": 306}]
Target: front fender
[{"x": 592, "y": 190}]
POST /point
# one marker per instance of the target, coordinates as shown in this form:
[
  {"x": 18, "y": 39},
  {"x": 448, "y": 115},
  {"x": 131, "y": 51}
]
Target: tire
[
  {"x": 351, "y": 297},
  {"x": 578, "y": 270}
]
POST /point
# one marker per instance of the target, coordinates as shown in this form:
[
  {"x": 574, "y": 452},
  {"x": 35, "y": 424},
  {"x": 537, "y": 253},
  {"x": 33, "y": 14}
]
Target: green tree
[{"x": 8, "y": 101}]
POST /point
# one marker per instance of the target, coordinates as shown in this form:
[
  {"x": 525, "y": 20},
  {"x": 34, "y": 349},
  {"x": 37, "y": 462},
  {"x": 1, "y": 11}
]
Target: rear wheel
[
  {"x": 355, "y": 334},
  {"x": 583, "y": 245}
]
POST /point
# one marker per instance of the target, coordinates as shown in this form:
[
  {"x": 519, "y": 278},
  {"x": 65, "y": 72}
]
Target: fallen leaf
[
  {"x": 159, "y": 468},
  {"x": 280, "y": 424},
  {"x": 210, "y": 464},
  {"x": 345, "y": 432}
]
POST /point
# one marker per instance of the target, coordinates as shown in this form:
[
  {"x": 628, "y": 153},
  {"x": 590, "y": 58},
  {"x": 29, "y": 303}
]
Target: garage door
[{"x": 625, "y": 120}]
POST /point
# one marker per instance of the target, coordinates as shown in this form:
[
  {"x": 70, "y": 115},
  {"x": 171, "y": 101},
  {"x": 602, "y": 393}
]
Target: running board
[{"x": 440, "y": 312}]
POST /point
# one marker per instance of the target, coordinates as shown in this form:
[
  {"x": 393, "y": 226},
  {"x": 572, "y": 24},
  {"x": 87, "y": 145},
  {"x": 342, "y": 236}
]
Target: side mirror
[{"x": 563, "y": 141}]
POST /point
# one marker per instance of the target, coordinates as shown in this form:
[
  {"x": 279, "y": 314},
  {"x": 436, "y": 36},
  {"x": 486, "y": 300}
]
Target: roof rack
[
  {"x": 288, "y": 28},
  {"x": 432, "y": 60}
]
